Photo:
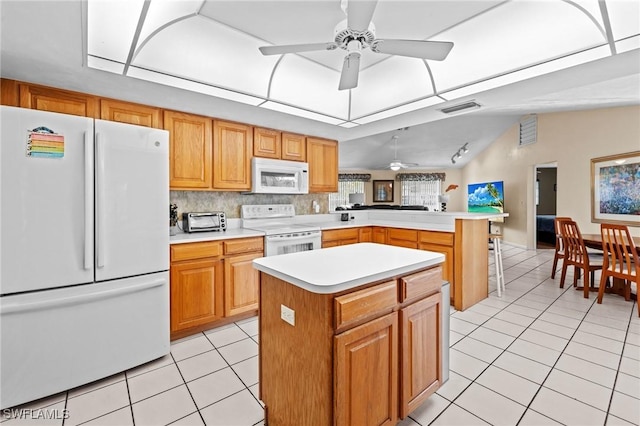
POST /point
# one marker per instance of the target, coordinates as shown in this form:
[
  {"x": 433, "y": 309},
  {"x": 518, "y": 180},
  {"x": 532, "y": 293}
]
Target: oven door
[{"x": 292, "y": 242}]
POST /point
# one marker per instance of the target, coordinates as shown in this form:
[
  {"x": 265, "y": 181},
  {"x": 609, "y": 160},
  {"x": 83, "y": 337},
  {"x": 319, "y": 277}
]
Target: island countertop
[{"x": 335, "y": 269}]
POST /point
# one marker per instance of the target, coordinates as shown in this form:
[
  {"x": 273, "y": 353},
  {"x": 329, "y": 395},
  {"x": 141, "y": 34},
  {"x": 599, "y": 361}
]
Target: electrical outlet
[{"x": 288, "y": 315}]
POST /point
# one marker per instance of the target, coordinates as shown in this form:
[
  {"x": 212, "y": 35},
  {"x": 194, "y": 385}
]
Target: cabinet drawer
[
  {"x": 195, "y": 250},
  {"x": 420, "y": 284},
  {"x": 353, "y": 307},
  {"x": 243, "y": 245},
  {"x": 402, "y": 234},
  {"x": 340, "y": 234},
  {"x": 444, "y": 238}
]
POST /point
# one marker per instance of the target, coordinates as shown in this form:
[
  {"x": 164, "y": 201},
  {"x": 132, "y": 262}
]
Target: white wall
[{"x": 571, "y": 139}]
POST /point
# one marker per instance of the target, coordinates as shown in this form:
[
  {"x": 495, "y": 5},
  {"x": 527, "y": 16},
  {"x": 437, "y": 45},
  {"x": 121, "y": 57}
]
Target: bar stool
[{"x": 497, "y": 256}]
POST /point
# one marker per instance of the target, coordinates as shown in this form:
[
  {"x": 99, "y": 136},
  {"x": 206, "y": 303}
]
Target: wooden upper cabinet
[
  {"x": 9, "y": 92},
  {"x": 232, "y": 151},
  {"x": 294, "y": 147},
  {"x": 56, "y": 100},
  {"x": 266, "y": 143},
  {"x": 322, "y": 155},
  {"x": 189, "y": 150},
  {"x": 125, "y": 112}
]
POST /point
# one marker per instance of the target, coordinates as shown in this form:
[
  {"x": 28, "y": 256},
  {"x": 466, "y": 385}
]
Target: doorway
[{"x": 546, "y": 186}]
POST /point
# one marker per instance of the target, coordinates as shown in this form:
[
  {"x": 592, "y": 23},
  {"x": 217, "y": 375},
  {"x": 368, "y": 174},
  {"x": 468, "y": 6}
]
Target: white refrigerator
[{"x": 84, "y": 251}]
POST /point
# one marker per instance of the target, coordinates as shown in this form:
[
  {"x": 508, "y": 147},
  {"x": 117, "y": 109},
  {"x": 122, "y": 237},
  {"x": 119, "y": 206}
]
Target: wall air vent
[
  {"x": 460, "y": 107},
  {"x": 528, "y": 130}
]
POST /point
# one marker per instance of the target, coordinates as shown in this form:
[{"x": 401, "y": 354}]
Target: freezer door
[
  {"x": 58, "y": 339},
  {"x": 132, "y": 200},
  {"x": 46, "y": 203}
]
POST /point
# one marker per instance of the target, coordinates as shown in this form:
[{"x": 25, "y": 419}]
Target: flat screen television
[{"x": 486, "y": 197}]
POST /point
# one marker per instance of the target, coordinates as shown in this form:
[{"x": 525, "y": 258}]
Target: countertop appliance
[
  {"x": 204, "y": 222},
  {"x": 283, "y": 235},
  {"x": 269, "y": 176},
  {"x": 84, "y": 282}
]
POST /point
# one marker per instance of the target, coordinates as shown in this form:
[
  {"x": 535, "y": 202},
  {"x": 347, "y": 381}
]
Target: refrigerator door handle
[
  {"x": 100, "y": 201},
  {"x": 88, "y": 201},
  {"x": 60, "y": 302}
]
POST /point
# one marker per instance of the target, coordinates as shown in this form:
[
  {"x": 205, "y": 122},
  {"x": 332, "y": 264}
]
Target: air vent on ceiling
[
  {"x": 460, "y": 107},
  {"x": 528, "y": 130}
]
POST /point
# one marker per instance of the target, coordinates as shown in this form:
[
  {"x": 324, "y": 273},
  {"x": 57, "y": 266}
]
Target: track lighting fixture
[{"x": 462, "y": 150}]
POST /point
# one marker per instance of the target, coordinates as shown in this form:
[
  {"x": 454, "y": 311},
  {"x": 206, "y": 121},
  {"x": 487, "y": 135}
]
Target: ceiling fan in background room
[
  {"x": 396, "y": 164},
  {"x": 356, "y": 33}
]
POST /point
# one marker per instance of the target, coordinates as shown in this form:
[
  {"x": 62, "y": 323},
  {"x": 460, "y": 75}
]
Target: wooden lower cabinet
[
  {"x": 421, "y": 362},
  {"x": 365, "y": 234},
  {"x": 339, "y": 237},
  {"x": 379, "y": 235},
  {"x": 370, "y": 356},
  {"x": 213, "y": 283},
  {"x": 402, "y": 237},
  {"x": 196, "y": 293},
  {"x": 240, "y": 284},
  {"x": 366, "y": 373}
]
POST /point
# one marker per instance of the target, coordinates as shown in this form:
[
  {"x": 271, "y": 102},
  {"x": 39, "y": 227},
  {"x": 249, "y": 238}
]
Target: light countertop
[
  {"x": 231, "y": 233},
  {"x": 336, "y": 269}
]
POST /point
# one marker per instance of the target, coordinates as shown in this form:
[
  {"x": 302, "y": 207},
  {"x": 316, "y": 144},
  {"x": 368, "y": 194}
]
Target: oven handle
[{"x": 287, "y": 238}]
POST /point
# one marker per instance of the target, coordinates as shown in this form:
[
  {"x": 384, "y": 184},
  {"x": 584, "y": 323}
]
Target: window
[
  {"x": 348, "y": 183},
  {"x": 420, "y": 189}
]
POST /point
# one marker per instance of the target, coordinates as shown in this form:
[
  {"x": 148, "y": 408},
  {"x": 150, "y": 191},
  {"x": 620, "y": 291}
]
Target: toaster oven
[{"x": 204, "y": 222}]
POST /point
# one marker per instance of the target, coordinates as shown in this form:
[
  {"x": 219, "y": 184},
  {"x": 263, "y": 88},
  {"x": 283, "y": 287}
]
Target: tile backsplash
[{"x": 230, "y": 202}]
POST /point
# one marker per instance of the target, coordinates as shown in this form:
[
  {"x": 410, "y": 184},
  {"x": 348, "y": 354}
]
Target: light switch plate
[{"x": 288, "y": 315}]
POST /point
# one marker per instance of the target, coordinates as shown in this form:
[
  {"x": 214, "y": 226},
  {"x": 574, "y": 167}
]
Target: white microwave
[{"x": 270, "y": 176}]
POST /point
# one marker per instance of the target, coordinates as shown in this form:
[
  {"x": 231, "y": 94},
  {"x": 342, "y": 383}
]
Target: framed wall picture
[
  {"x": 382, "y": 191},
  {"x": 615, "y": 185}
]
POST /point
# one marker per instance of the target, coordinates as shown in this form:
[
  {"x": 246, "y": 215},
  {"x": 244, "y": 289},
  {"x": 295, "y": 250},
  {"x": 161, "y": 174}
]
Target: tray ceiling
[{"x": 211, "y": 47}]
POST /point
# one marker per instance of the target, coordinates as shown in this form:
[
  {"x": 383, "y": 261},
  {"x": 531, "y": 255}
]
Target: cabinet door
[
  {"x": 125, "y": 112},
  {"x": 266, "y": 143},
  {"x": 322, "y": 156},
  {"x": 366, "y": 373},
  {"x": 420, "y": 354},
  {"x": 196, "y": 293},
  {"x": 379, "y": 235},
  {"x": 402, "y": 237},
  {"x": 294, "y": 147},
  {"x": 241, "y": 281},
  {"x": 189, "y": 150},
  {"x": 365, "y": 234},
  {"x": 232, "y": 151},
  {"x": 55, "y": 100}
]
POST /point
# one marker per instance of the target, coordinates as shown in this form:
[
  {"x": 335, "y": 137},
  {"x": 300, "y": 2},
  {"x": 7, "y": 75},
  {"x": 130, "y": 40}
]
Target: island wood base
[{"x": 366, "y": 356}]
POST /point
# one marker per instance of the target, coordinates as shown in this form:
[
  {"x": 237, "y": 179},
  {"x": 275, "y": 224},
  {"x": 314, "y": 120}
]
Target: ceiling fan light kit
[{"x": 356, "y": 33}]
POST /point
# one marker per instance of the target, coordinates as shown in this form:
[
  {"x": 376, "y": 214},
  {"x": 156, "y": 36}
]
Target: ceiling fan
[
  {"x": 396, "y": 164},
  {"x": 356, "y": 33}
]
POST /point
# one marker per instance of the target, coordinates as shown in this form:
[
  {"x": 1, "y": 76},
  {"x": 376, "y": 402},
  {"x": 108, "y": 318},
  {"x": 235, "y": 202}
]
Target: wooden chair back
[
  {"x": 575, "y": 252},
  {"x": 620, "y": 254},
  {"x": 556, "y": 224}
]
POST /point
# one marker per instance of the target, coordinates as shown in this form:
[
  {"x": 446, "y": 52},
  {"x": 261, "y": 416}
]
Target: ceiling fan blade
[
  {"x": 359, "y": 14},
  {"x": 295, "y": 48},
  {"x": 350, "y": 70},
  {"x": 435, "y": 50}
]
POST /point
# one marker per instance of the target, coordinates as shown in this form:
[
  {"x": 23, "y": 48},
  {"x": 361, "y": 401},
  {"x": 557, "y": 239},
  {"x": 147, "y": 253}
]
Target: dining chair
[
  {"x": 621, "y": 259},
  {"x": 576, "y": 254},
  {"x": 559, "y": 253}
]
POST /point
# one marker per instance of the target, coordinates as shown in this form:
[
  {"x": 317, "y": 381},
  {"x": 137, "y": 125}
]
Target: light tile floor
[{"x": 539, "y": 355}]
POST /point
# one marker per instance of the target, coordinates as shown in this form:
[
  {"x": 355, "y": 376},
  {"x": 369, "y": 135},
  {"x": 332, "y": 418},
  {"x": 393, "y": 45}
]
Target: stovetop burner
[{"x": 273, "y": 219}]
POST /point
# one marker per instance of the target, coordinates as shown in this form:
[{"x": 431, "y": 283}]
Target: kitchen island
[{"x": 349, "y": 334}]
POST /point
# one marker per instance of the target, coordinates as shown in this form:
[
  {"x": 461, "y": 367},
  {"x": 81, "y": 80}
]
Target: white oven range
[{"x": 282, "y": 234}]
